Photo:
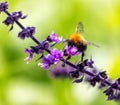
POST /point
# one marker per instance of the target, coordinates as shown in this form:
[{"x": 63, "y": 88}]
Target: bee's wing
[
  {"x": 80, "y": 28},
  {"x": 92, "y": 44}
]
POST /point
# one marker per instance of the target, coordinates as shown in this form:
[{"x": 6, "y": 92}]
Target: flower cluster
[
  {"x": 15, "y": 16},
  {"x": 49, "y": 55},
  {"x": 52, "y": 58},
  {"x": 26, "y": 32}
]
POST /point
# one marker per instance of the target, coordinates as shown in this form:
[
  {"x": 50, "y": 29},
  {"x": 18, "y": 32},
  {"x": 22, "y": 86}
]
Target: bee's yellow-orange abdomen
[{"x": 76, "y": 38}]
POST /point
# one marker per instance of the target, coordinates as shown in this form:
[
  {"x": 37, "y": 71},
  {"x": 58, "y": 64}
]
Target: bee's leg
[
  {"x": 69, "y": 56},
  {"x": 82, "y": 56}
]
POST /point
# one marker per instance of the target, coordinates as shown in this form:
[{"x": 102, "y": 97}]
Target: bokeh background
[{"x": 27, "y": 84}]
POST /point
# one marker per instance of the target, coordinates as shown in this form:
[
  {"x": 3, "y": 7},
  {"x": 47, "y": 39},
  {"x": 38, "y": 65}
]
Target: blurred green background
[{"x": 22, "y": 84}]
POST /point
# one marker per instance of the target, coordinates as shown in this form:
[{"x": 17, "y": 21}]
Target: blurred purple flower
[
  {"x": 75, "y": 74},
  {"x": 3, "y": 6},
  {"x": 61, "y": 72}
]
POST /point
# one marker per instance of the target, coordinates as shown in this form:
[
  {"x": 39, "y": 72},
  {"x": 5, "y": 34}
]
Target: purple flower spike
[
  {"x": 54, "y": 38},
  {"x": 84, "y": 70},
  {"x": 27, "y": 32},
  {"x": 30, "y": 55},
  {"x": 3, "y": 6}
]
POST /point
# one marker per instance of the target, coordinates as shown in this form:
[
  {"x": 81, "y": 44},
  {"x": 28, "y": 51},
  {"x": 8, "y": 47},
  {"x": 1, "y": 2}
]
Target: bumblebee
[{"x": 77, "y": 40}]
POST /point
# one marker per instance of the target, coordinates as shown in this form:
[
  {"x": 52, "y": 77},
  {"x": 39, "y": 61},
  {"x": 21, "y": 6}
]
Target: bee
[{"x": 77, "y": 40}]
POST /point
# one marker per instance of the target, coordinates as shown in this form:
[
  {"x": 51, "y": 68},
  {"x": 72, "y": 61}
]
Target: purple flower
[
  {"x": 70, "y": 50},
  {"x": 18, "y": 15},
  {"x": 103, "y": 75},
  {"x": 44, "y": 44},
  {"x": 9, "y": 20},
  {"x": 88, "y": 63},
  {"x": 3, "y": 6},
  {"x": 52, "y": 58},
  {"x": 110, "y": 93},
  {"x": 36, "y": 50},
  {"x": 30, "y": 52},
  {"x": 33, "y": 50},
  {"x": 41, "y": 47},
  {"x": 54, "y": 38},
  {"x": 57, "y": 54},
  {"x": 27, "y": 32},
  {"x": 47, "y": 61}
]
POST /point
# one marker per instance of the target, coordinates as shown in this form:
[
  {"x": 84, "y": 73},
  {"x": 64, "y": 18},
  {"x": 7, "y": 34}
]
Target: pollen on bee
[{"x": 76, "y": 38}]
